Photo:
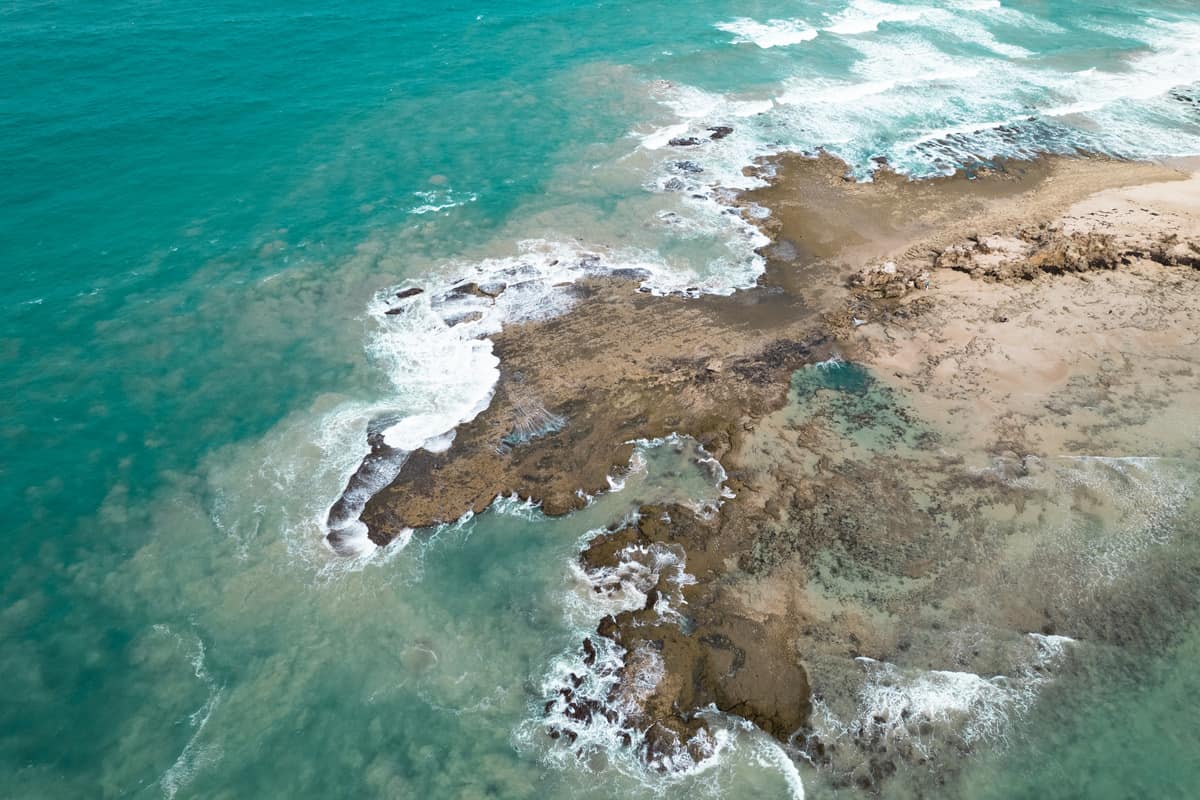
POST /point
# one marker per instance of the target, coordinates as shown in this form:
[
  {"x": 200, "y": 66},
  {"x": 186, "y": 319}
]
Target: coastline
[
  {"x": 884, "y": 494},
  {"x": 761, "y": 515},
  {"x": 790, "y": 309}
]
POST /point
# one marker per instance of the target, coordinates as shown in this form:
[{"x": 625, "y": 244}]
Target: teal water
[
  {"x": 1121, "y": 723},
  {"x": 201, "y": 204}
]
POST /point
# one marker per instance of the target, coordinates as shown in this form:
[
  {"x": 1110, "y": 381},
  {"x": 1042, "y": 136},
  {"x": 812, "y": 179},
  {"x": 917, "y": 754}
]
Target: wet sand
[{"x": 1013, "y": 338}]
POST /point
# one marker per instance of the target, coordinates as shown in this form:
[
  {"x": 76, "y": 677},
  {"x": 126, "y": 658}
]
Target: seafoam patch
[
  {"x": 930, "y": 109},
  {"x": 772, "y": 33},
  {"x": 922, "y": 715}
]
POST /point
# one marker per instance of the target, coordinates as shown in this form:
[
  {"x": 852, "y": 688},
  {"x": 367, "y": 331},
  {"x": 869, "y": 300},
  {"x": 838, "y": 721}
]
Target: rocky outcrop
[
  {"x": 1049, "y": 249},
  {"x": 888, "y": 280},
  {"x": 1172, "y": 251},
  {"x": 715, "y": 133},
  {"x": 854, "y": 524},
  {"x": 673, "y": 667},
  {"x": 1056, "y": 252},
  {"x": 575, "y": 389}
]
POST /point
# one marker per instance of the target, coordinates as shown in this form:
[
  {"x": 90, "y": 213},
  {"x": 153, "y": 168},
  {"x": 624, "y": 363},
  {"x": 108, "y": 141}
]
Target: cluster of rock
[
  {"x": 889, "y": 280},
  {"x": 1057, "y": 252},
  {"x": 714, "y": 133},
  {"x": 1187, "y": 98},
  {"x": 1172, "y": 251},
  {"x": 573, "y": 708},
  {"x": 1031, "y": 252},
  {"x": 1034, "y": 251},
  {"x": 671, "y": 669},
  {"x": 1050, "y": 249}
]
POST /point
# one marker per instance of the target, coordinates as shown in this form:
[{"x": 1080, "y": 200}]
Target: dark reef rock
[
  {"x": 688, "y": 167},
  {"x": 488, "y": 290},
  {"x": 711, "y": 658}
]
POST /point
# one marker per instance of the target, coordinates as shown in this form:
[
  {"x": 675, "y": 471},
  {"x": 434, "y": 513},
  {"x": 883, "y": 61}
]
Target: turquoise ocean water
[{"x": 202, "y": 207}]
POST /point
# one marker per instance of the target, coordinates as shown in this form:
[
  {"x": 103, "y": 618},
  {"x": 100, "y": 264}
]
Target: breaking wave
[{"x": 922, "y": 716}]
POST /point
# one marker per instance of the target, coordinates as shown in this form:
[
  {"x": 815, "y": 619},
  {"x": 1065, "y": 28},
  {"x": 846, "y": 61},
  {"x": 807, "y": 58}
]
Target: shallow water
[
  {"x": 201, "y": 204},
  {"x": 1117, "y": 721},
  {"x": 1103, "y": 548}
]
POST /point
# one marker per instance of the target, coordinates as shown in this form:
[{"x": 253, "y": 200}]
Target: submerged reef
[{"x": 908, "y": 413}]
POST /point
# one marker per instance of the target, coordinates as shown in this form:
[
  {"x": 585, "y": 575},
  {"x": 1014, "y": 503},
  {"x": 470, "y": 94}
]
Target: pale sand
[{"x": 1070, "y": 350}]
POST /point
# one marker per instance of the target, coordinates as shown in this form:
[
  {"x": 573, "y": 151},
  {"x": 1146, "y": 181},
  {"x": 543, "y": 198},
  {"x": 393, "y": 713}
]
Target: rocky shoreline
[{"x": 894, "y": 509}]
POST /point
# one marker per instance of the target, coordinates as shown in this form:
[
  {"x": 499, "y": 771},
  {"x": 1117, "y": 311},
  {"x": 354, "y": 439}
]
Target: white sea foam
[
  {"x": 896, "y": 705},
  {"x": 929, "y": 109},
  {"x": 818, "y": 92},
  {"x": 1050, "y": 648},
  {"x": 865, "y": 16},
  {"x": 434, "y": 202},
  {"x": 196, "y": 755},
  {"x": 833, "y": 362},
  {"x": 772, "y": 33},
  {"x": 514, "y": 506},
  {"x": 1173, "y": 61},
  {"x": 626, "y": 585},
  {"x": 771, "y": 755},
  {"x": 661, "y": 137},
  {"x": 924, "y": 711}
]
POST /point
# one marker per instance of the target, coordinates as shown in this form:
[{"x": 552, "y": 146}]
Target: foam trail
[
  {"x": 194, "y": 756},
  {"x": 865, "y": 16},
  {"x": 435, "y": 202},
  {"x": 771, "y": 756},
  {"x": 773, "y": 33}
]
